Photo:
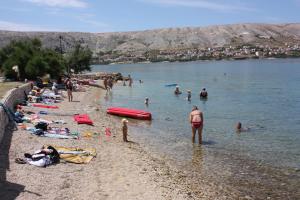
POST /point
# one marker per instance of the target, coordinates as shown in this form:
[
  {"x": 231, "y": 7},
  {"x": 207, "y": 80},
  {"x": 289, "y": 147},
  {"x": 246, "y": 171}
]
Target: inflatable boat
[{"x": 132, "y": 113}]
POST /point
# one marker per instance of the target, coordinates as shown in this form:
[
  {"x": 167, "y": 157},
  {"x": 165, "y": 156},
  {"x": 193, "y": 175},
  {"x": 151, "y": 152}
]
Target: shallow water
[{"x": 263, "y": 94}]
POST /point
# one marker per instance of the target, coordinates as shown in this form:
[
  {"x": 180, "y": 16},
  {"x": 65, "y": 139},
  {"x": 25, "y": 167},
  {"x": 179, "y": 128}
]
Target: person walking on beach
[
  {"x": 130, "y": 80},
  {"x": 196, "y": 120},
  {"x": 110, "y": 83},
  {"x": 69, "y": 88},
  {"x": 105, "y": 83}
]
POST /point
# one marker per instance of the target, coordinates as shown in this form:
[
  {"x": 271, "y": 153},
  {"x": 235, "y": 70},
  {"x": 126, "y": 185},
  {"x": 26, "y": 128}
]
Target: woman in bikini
[{"x": 196, "y": 120}]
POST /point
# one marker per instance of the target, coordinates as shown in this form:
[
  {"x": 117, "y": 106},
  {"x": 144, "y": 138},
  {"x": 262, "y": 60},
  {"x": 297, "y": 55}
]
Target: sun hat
[{"x": 124, "y": 120}]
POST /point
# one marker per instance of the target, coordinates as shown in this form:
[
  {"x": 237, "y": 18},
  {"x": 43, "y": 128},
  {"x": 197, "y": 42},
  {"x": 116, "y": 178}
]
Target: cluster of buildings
[{"x": 217, "y": 53}]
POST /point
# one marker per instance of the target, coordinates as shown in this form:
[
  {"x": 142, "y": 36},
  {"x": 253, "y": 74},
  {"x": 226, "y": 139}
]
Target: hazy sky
[{"x": 129, "y": 15}]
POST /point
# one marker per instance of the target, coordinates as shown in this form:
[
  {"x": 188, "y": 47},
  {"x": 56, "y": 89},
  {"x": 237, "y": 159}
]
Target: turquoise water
[{"x": 263, "y": 94}]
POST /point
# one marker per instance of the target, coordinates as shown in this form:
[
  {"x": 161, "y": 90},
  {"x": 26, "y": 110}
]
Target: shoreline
[
  {"x": 120, "y": 170},
  {"x": 204, "y": 60}
]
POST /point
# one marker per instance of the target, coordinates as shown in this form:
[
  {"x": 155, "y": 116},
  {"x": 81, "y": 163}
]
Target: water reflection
[{"x": 197, "y": 158}]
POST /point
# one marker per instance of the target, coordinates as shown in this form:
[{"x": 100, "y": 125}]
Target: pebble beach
[{"x": 119, "y": 171}]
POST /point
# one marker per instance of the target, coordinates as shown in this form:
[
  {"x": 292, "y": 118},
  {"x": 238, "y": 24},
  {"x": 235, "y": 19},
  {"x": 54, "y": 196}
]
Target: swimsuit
[{"x": 196, "y": 124}]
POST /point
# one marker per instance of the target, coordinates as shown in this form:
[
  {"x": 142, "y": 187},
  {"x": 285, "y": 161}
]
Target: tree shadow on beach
[{"x": 8, "y": 190}]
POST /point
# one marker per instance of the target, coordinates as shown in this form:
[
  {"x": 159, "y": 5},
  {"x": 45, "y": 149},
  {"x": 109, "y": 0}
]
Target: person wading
[{"x": 196, "y": 120}]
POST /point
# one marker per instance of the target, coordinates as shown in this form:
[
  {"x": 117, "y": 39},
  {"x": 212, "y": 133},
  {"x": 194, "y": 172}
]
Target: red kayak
[{"x": 132, "y": 113}]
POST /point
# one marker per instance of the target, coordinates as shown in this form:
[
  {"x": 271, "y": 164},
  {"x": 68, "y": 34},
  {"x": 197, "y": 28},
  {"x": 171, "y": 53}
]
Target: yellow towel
[{"x": 76, "y": 155}]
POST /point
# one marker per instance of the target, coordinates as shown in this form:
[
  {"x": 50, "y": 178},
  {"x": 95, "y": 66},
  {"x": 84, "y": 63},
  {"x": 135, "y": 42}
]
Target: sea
[{"x": 262, "y": 94}]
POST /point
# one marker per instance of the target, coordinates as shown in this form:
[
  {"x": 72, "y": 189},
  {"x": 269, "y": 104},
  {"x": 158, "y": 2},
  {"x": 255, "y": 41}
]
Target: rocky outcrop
[{"x": 140, "y": 42}]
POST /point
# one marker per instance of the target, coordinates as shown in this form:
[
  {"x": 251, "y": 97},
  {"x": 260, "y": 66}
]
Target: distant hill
[{"x": 139, "y": 42}]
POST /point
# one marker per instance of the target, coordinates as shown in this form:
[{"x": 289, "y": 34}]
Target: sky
[{"x": 134, "y": 15}]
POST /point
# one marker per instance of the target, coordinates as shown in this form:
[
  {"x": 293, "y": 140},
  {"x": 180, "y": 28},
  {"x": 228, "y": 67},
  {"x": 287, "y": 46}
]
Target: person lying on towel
[{"x": 41, "y": 158}]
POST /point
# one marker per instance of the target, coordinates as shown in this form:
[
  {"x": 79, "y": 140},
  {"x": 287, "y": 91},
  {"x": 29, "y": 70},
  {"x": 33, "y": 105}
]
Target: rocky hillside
[{"x": 140, "y": 42}]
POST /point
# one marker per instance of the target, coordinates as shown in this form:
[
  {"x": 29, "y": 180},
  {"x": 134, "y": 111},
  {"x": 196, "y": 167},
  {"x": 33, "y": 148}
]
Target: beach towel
[
  {"x": 83, "y": 119},
  {"x": 76, "y": 155},
  {"x": 44, "y": 106}
]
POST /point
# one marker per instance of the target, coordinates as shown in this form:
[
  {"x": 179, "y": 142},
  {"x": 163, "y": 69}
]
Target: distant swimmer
[
  {"x": 203, "y": 93},
  {"x": 140, "y": 81},
  {"x": 196, "y": 120},
  {"x": 146, "y": 101},
  {"x": 189, "y": 95},
  {"x": 239, "y": 128},
  {"x": 177, "y": 91}
]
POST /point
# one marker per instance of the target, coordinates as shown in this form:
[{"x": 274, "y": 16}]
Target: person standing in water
[
  {"x": 196, "y": 120},
  {"x": 189, "y": 95},
  {"x": 147, "y": 101}
]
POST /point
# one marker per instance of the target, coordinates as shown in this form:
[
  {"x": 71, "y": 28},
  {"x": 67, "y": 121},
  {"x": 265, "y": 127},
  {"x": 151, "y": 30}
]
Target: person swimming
[
  {"x": 177, "y": 91},
  {"x": 203, "y": 93},
  {"x": 239, "y": 128}
]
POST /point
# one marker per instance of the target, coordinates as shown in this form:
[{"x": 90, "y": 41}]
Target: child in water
[
  {"x": 146, "y": 101},
  {"x": 125, "y": 129}
]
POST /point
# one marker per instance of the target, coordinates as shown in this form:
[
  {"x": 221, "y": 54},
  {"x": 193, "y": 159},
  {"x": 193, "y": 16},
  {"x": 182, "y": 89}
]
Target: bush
[{"x": 31, "y": 59}]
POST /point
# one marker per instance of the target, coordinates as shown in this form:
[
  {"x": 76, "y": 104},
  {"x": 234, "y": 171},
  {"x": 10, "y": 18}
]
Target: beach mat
[{"x": 75, "y": 155}]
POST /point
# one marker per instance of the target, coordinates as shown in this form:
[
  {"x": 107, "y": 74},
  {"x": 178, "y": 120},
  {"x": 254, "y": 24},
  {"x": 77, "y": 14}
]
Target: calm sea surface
[{"x": 263, "y": 94}]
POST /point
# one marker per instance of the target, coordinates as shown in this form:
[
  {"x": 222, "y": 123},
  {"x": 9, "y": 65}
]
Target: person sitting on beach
[
  {"x": 203, "y": 93},
  {"x": 125, "y": 129},
  {"x": 177, "y": 91},
  {"x": 196, "y": 120},
  {"x": 239, "y": 128},
  {"x": 189, "y": 95},
  {"x": 146, "y": 101}
]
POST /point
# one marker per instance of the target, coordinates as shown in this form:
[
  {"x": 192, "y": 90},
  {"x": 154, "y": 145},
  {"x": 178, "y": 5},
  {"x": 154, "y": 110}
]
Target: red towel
[
  {"x": 83, "y": 119},
  {"x": 44, "y": 106}
]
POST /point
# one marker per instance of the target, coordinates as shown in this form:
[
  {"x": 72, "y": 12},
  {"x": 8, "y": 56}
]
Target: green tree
[
  {"x": 36, "y": 67},
  {"x": 31, "y": 59},
  {"x": 80, "y": 59}
]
